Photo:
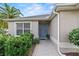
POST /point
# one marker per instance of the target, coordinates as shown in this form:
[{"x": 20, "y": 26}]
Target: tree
[
  {"x": 7, "y": 12},
  {"x": 3, "y": 24}
]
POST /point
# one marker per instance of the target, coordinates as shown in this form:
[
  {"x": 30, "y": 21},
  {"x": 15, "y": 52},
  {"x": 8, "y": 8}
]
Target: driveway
[{"x": 45, "y": 48}]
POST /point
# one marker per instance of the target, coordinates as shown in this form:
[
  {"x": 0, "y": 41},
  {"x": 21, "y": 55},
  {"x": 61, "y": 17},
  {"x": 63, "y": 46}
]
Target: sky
[{"x": 30, "y": 9}]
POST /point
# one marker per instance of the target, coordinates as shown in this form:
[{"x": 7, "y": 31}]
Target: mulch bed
[
  {"x": 31, "y": 50},
  {"x": 33, "y": 47},
  {"x": 72, "y": 54}
]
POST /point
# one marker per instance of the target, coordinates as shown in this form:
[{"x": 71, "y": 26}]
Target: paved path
[{"x": 45, "y": 48}]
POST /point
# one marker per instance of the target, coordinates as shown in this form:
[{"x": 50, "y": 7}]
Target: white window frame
[{"x": 22, "y": 28}]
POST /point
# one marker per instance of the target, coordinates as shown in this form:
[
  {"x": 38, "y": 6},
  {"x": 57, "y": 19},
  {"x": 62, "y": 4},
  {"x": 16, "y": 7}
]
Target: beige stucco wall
[
  {"x": 33, "y": 27},
  {"x": 11, "y": 28},
  {"x": 68, "y": 21},
  {"x": 54, "y": 29}
]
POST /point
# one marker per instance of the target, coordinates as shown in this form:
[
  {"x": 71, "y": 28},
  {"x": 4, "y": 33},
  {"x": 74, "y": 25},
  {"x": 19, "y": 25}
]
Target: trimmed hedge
[
  {"x": 36, "y": 41},
  {"x": 74, "y": 36},
  {"x": 15, "y": 46},
  {"x": 2, "y": 45}
]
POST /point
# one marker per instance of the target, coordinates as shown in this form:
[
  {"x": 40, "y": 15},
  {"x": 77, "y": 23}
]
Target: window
[
  {"x": 26, "y": 27},
  {"x": 22, "y": 28},
  {"x": 19, "y": 28}
]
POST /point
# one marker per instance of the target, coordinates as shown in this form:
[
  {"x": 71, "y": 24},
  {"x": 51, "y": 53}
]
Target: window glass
[
  {"x": 19, "y": 32},
  {"x": 19, "y": 28},
  {"x": 25, "y": 31},
  {"x": 22, "y": 28},
  {"x": 26, "y": 26}
]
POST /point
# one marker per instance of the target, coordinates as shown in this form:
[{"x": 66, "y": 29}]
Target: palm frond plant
[{"x": 7, "y": 12}]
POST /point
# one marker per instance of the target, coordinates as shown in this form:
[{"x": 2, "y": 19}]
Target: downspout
[{"x": 58, "y": 44}]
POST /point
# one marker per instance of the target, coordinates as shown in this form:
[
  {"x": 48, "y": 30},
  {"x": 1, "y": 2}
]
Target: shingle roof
[{"x": 30, "y": 18}]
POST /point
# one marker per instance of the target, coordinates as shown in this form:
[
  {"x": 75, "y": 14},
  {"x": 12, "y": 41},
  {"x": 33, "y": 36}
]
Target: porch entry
[{"x": 43, "y": 31}]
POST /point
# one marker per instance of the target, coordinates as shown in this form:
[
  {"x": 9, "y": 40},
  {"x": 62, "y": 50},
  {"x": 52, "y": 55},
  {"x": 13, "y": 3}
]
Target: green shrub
[
  {"x": 2, "y": 45},
  {"x": 15, "y": 46},
  {"x": 74, "y": 36},
  {"x": 27, "y": 38},
  {"x": 2, "y": 31},
  {"x": 36, "y": 41},
  {"x": 47, "y": 36}
]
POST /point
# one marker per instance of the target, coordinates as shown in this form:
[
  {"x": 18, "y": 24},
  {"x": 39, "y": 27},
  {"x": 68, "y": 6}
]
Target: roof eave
[
  {"x": 30, "y": 18},
  {"x": 67, "y": 7},
  {"x": 41, "y": 19},
  {"x": 58, "y": 8}
]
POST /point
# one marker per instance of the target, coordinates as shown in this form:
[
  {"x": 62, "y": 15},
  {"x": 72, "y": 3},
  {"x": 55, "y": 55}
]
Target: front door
[{"x": 43, "y": 31}]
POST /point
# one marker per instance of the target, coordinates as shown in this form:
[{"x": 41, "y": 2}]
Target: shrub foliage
[
  {"x": 36, "y": 41},
  {"x": 74, "y": 36},
  {"x": 15, "y": 46}
]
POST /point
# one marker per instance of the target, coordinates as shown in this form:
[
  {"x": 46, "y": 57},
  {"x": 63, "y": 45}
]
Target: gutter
[
  {"x": 58, "y": 46},
  {"x": 66, "y": 7}
]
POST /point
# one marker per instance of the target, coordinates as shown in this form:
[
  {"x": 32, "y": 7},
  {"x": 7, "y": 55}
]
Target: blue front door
[{"x": 43, "y": 30}]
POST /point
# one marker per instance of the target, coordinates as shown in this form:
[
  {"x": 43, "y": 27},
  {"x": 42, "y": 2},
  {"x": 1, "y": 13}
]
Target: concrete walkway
[{"x": 45, "y": 48}]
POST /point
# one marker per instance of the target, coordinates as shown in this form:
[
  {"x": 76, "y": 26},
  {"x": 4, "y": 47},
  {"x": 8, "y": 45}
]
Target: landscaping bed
[
  {"x": 15, "y": 46},
  {"x": 71, "y": 54},
  {"x": 73, "y": 38},
  {"x": 31, "y": 50},
  {"x": 22, "y": 45},
  {"x": 35, "y": 41}
]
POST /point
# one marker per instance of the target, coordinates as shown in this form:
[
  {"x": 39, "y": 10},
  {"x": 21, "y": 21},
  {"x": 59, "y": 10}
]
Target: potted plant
[{"x": 47, "y": 36}]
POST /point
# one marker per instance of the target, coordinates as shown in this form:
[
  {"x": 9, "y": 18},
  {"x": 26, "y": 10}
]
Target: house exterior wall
[
  {"x": 11, "y": 28},
  {"x": 33, "y": 27},
  {"x": 69, "y": 20},
  {"x": 54, "y": 29}
]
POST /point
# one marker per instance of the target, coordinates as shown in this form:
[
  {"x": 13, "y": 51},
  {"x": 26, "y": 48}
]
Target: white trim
[
  {"x": 22, "y": 27},
  {"x": 14, "y": 28},
  {"x": 31, "y": 27}
]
